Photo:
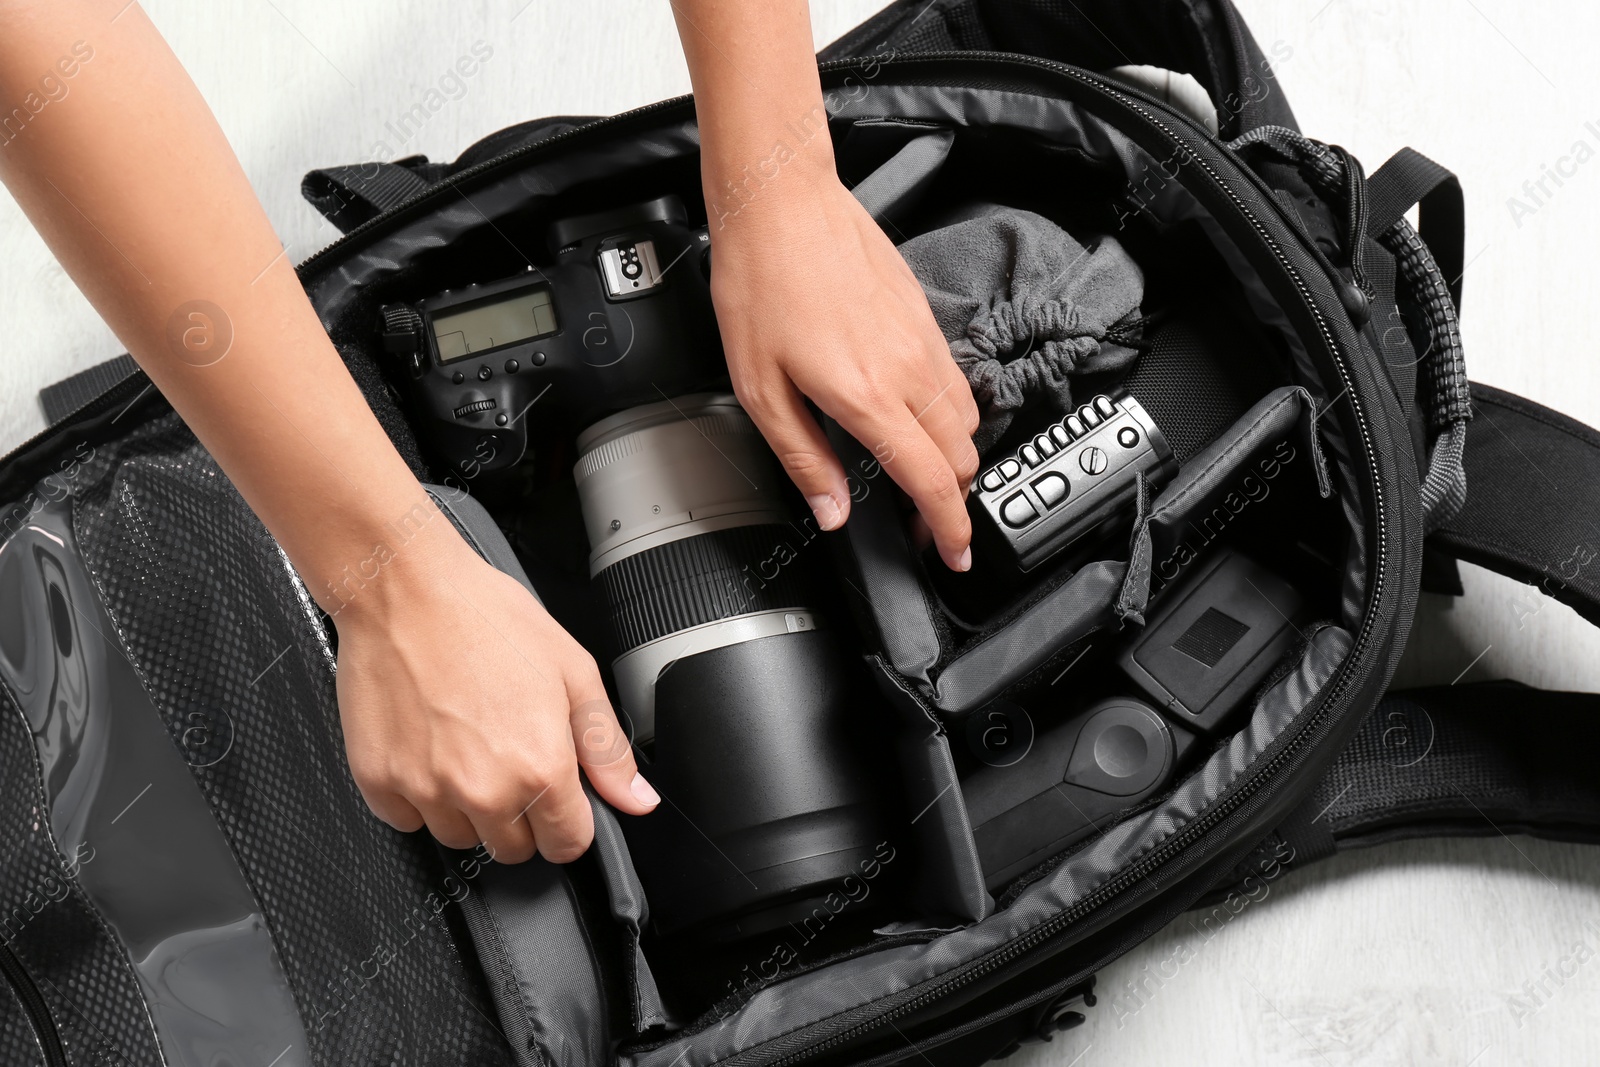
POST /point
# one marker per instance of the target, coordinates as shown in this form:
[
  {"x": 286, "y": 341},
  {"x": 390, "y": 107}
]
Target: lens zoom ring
[{"x": 702, "y": 579}]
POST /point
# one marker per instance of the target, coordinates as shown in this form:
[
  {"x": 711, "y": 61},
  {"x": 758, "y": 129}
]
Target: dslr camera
[{"x": 751, "y": 719}]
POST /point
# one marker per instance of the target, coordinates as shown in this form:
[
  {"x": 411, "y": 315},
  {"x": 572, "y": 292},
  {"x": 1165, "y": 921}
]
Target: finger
[
  {"x": 779, "y": 412},
  {"x": 604, "y": 752},
  {"x": 449, "y": 826},
  {"x": 508, "y": 840},
  {"x": 918, "y": 466},
  {"x": 921, "y": 536},
  {"x": 960, "y": 394},
  {"x": 562, "y": 820},
  {"x": 943, "y": 423},
  {"x": 395, "y": 810}
]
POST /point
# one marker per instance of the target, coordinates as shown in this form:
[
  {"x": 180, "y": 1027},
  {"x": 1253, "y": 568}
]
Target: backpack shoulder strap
[
  {"x": 1533, "y": 505},
  {"x": 1479, "y": 760},
  {"x": 1204, "y": 38},
  {"x": 1496, "y": 757}
]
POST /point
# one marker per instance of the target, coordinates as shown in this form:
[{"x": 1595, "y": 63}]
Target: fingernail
[
  {"x": 643, "y": 792},
  {"x": 826, "y": 508},
  {"x": 965, "y": 562}
]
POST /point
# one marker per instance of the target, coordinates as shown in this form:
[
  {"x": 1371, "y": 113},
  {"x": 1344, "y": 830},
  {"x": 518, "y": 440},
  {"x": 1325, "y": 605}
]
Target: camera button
[
  {"x": 1030, "y": 455},
  {"x": 1089, "y": 415},
  {"x": 537, "y": 359},
  {"x": 512, "y": 366},
  {"x": 1045, "y": 446},
  {"x": 1127, "y": 437},
  {"x": 1074, "y": 426},
  {"x": 458, "y": 377},
  {"x": 1009, "y": 469},
  {"x": 992, "y": 479},
  {"x": 1052, "y": 488},
  {"x": 1104, "y": 406},
  {"x": 501, "y": 419},
  {"x": 1018, "y": 511},
  {"x": 485, "y": 372},
  {"x": 1060, "y": 436}
]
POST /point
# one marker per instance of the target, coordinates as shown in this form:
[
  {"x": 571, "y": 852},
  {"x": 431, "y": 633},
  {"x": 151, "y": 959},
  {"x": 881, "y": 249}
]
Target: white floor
[{"x": 1414, "y": 954}]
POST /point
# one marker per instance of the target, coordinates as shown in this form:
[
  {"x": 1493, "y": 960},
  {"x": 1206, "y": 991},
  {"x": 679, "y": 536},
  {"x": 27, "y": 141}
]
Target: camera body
[{"x": 623, "y": 316}]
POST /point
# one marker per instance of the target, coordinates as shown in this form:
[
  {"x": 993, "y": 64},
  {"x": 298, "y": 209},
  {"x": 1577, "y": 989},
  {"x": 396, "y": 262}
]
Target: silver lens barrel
[{"x": 690, "y": 537}]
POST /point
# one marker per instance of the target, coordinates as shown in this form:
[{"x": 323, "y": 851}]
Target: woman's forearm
[
  {"x": 142, "y": 200},
  {"x": 759, "y": 102}
]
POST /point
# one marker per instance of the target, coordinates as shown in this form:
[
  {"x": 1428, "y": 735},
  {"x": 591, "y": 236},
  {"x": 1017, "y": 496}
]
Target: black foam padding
[
  {"x": 701, "y": 579},
  {"x": 1201, "y": 372}
]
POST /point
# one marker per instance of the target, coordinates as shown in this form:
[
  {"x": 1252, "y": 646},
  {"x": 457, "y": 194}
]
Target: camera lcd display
[{"x": 471, "y": 330}]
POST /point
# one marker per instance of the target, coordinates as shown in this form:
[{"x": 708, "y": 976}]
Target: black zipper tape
[{"x": 44, "y": 1027}]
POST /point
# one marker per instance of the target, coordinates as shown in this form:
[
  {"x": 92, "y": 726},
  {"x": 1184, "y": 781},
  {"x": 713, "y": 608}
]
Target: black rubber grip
[{"x": 702, "y": 579}]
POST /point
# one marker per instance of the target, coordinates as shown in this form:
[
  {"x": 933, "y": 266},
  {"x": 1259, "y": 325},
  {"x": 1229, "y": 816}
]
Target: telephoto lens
[{"x": 756, "y": 731}]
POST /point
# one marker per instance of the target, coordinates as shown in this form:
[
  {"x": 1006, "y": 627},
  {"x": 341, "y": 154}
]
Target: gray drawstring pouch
[{"x": 1025, "y": 306}]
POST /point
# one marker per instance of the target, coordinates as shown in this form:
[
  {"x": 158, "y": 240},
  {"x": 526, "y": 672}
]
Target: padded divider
[
  {"x": 951, "y": 882},
  {"x": 1207, "y": 481},
  {"x": 830, "y": 993},
  {"x": 545, "y": 965},
  {"x": 541, "y": 963},
  {"x": 895, "y": 186},
  {"x": 895, "y": 600},
  {"x": 629, "y": 908},
  {"x": 1068, "y": 613}
]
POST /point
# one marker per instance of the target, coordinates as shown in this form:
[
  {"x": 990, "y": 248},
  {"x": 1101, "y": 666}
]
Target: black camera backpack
[{"x": 218, "y": 888}]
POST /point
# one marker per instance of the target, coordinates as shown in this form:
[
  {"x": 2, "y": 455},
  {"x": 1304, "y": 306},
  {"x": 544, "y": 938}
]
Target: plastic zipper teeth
[
  {"x": 44, "y": 1027},
  {"x": 1141, "y": 871}
]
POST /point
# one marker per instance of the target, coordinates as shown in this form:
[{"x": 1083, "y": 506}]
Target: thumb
[
  {"x": 804, "y": 451},
  {"x": 604, "y": 752}
]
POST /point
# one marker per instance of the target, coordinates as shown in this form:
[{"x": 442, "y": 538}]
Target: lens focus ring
[{"x": 705, "y": 578}]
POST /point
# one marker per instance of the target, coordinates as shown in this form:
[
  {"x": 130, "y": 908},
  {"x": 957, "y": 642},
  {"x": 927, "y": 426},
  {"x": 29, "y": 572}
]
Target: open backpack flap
[{"x": 188, "y": 874}]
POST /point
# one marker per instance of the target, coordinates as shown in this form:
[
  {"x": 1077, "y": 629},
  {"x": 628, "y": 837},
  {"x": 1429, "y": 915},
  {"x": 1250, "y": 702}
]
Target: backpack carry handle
[{"x": 1207, "y": 39}]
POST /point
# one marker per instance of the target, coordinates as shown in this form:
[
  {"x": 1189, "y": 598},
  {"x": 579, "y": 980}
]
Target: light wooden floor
[{"x": 1414, "y": 954}]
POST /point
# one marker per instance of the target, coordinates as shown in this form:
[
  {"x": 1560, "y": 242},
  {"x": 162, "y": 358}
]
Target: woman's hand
[
  {"x": 815, "y": 301},
  {"x": 467, "y": 708}
]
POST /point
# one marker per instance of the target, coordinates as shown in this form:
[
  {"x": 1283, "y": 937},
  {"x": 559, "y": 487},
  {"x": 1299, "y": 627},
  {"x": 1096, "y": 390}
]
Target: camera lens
[{"x": 759, "y": 738}]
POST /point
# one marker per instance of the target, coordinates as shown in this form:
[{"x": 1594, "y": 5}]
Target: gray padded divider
[
  {"x": 898, "y": 182},
  {"x": 1068, "y": 613},
  {"x": 526, "y": 921},
  {"x": 950, "y": 881},
  {"x": 1216, "y": 471},
  {"x": 876, "y": 535}
]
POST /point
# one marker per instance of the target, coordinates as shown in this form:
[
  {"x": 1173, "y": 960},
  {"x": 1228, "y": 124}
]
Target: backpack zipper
[
  {"x": 44, "y": 1027},
  {"x": 88, "y": 409}
]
